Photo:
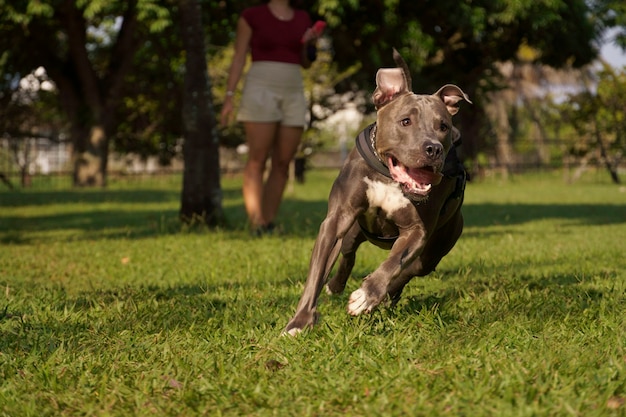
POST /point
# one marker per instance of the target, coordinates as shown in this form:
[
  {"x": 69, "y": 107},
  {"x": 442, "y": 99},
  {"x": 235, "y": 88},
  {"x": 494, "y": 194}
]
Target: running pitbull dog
[{"x": 401, "y": 188}]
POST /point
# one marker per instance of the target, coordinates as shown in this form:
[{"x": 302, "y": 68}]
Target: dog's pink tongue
[
  {"x": 414, "y": 180},
  {"x": 425, "y": 176}
]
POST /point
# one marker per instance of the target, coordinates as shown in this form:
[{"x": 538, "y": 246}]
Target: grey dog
[{"x": 401, "y": 188}]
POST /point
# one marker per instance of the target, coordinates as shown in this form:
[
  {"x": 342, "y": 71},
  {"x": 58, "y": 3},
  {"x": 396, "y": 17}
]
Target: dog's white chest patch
[{"x": 388, "y": 197}]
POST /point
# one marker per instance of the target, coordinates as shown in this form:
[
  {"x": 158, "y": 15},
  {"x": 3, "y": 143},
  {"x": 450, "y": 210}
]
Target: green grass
[{"x": 109, "y": 307}]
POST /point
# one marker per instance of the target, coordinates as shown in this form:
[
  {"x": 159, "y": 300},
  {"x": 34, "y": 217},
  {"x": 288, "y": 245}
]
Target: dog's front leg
[
  {"x": 400, "y": 261},
  {"x": 325, "y": 253}
]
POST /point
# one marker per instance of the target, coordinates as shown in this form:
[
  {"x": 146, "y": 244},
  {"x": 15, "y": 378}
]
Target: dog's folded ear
[
  {"x": 389, "y": 83},
  {"x": 450, "y": 94},
  {"x": 392, "y": 81}
]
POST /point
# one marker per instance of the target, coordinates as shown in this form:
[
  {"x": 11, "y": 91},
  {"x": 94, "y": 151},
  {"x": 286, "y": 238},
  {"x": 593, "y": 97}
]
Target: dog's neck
[
  {"x": 366, "y": 145},
  {"x": 373, "y": 131}
]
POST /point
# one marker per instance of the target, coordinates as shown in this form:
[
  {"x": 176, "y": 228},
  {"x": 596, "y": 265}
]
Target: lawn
[{"x": 108, "y": 307}]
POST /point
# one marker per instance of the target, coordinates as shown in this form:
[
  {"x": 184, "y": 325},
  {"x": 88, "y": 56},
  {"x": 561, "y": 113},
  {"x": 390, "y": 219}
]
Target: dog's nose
[{"x": 433, "y": 149}]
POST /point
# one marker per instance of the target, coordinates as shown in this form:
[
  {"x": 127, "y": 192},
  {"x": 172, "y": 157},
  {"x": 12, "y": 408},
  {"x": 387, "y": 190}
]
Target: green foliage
[
  {"x": 150, "y": 113},
  {"x": 109, "y": 308},
  {"x": 598, "y": 116},
  {"x": 146, "y": 107},
  {"x": 443, "y": 41},
  {"x": 610, "y": 92},
  {"x": 459, "y": 41},
  {"x": 613, "y": 14},
  {"x": 155, "y": 13},
  {"x": 21, "y": 13},
  {"x": 92, "y": 8},
  {"x": 39, "y": 8},
  {"x": 27, "y": 114}
]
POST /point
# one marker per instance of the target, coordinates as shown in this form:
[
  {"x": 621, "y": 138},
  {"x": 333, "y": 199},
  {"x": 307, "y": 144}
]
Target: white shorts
[{"x": 273, "y": 92}]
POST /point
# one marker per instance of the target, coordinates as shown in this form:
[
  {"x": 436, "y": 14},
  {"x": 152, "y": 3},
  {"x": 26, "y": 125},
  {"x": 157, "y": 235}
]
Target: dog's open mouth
[{"x": 417, "y": 181}]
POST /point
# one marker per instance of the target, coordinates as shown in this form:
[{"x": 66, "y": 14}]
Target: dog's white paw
[
  {"x": 357, "y": 303},
  {"x": 292, "y": 332},
  {"x": 328, "y": 291}
]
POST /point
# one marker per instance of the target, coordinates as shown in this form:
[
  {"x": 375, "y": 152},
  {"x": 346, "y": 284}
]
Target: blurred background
[{"x": 95, "y": 90}]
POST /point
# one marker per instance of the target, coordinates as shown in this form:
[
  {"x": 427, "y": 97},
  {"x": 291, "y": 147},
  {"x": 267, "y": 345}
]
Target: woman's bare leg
[
  {"x": 284, "y": 149},
  {"x": 260, "y": 140}
]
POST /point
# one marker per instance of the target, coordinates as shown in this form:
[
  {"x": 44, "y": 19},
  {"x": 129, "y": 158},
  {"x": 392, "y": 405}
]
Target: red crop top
[{"x": 274, "y": 39}]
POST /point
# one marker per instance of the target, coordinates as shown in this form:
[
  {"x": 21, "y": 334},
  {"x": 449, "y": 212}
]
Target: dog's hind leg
[{"x": 351, "y": 243}]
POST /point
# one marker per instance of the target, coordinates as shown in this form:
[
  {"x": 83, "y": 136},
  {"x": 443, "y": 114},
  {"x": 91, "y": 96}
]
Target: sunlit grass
[{"x": 108, "y": 306}]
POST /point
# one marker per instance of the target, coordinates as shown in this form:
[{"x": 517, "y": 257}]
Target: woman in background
[{"x": 273, "y": 106}]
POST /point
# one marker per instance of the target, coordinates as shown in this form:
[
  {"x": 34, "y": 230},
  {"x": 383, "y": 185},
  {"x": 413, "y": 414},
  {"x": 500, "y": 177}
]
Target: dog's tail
[{"x": 401, "y": 63}]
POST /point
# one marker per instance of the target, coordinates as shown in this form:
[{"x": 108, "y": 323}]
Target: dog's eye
[
  {"x": 405, "y": 122},
  {"x": 443, "y": 127}
]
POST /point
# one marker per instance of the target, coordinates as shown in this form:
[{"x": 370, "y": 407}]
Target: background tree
[
  {"x": 28, "y": 113},
  {"x": 520, "y": 114},
  {"x": 149, "y": 115},
  {"x": 201, "y": 196},
  {"x": 598, "y": 117},
  {"x": 87, "y": 49},
  {"x": 119, "y": 65},
  {"x": 462, "y": 41}
]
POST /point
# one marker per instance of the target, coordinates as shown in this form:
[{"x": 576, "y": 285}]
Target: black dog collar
[{"x": 365, "y": 145}]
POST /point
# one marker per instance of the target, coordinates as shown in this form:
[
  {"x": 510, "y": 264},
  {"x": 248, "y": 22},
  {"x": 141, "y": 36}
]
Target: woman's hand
[
  {"x": 314, "y": 32},
  {"x": 309, "y": 40},
  {"x": 226, "y": 113},
  {"x": 309, "y": 36}
]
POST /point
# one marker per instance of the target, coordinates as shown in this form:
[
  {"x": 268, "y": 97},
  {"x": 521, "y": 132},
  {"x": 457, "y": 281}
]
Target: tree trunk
[
  {"x": 499, "y": 118},
  {"x": 541, "y": 136},
  {"x": 90, "y": 155},
  {"x": 89, "y": 96},
  {"x": 504, "y": 151},
  {"x": 201, "y": 197},
  {"x": 603, "y": 154}
]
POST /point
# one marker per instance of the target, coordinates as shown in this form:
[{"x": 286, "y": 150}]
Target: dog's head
[{"x": 414, "y": 132}]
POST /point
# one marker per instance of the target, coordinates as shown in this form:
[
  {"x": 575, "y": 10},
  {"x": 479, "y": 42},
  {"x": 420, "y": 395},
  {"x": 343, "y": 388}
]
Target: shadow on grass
[
  {"x": 482, "y": 215},
  {"x": 20, "y": 199},
  {"x": 297, "y": 218},
  {"x": 98, "y": 214},
  {"x": 104, "y": 215},
  {"x": 95, "y": 196},
  {"x": 92, "y": 225}
]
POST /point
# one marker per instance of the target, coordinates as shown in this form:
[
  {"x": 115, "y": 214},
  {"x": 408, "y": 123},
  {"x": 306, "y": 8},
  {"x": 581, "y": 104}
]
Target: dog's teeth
[{"x": 421, "y": 189}]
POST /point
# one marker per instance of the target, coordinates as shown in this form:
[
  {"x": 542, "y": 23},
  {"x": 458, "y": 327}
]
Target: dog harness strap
[
  {"x": 452, "y": 166},
  {"x": 365, "y": 146},
  {"x": 374, "y": 238}
]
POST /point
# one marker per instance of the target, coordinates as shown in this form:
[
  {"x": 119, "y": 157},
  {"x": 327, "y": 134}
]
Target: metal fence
[{"x": 39, "y": 162}]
